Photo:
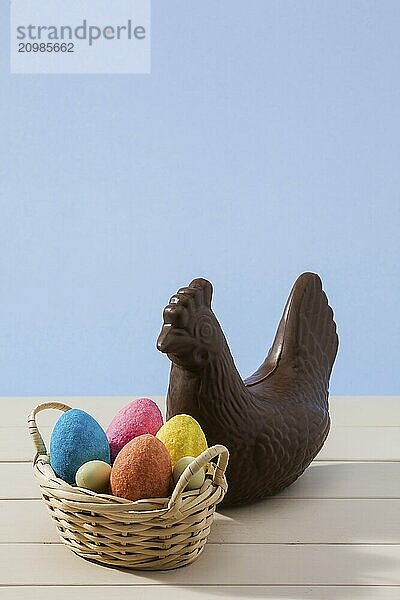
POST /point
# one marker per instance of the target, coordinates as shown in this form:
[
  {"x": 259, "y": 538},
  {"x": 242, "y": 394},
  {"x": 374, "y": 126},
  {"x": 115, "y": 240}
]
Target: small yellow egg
[
  {"x": 94, "y": 475},
  {"x": 196, "y": 481}
]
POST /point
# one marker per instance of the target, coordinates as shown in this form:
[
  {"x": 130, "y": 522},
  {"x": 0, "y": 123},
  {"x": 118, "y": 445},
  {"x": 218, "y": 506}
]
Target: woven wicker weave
[{"x": 160, "y": 533}]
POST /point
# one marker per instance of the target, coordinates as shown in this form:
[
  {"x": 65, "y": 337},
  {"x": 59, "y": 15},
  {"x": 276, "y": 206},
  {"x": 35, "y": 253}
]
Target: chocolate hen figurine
[{"x": 276, "y": 421}]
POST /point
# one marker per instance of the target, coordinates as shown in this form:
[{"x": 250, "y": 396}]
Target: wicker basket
[{"x": 160, "y": 533}]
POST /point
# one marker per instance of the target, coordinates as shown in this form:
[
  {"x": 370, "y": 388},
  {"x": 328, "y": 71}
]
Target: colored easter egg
[
  {"x": 182, "y": 436},
  {"x": 76, "y": 439},
  {"x": 137, "y": 418},
  {"x": 94, "y": 475},
  {"x": 198, "y": 478},
  {"x": 142, "y": 469}
]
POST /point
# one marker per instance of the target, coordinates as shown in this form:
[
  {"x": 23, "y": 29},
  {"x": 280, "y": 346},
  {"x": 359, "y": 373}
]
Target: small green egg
[
  {"x": 198, "y": 478},
  {"x": 94, "y": 475}
]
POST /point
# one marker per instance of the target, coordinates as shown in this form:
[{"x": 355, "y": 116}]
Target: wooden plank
[
  {"x": 102, "y": 408},
  {"x": 16, "y": 444},
  {"x": 365, "y": 411},
  {"x": 17, "y": 481},
  {"x": 275, "y": 521},
  {"x": 238, "y": 564},
  {"x": 285, "y": 521},
  {"x": 151, "y": 592},
  {"x": 343, "y": 444},
  {"x": 362, "y": 443},
  {"x": 347, "y": 480},
  {"x": 354, "y": 411},
  {"x": 320, "y": 480}
]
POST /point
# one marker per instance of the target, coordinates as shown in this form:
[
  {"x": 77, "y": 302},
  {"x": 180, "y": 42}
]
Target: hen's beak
[{"x": 162, "y": 342}]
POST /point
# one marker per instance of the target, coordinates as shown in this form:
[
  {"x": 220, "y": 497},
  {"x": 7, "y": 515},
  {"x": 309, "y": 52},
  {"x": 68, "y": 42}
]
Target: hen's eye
[{"x": 206, "y": 330}]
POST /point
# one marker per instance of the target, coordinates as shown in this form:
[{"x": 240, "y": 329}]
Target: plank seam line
[
  {"x": 291, "y": 544},
  {"x": 274, "y": 498},
  {"x": 200, "y": 585},
  {"x": 346, "y": 544}
]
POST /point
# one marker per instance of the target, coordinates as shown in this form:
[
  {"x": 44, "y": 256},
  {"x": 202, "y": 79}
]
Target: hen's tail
[{"x": 306, "y": 341}]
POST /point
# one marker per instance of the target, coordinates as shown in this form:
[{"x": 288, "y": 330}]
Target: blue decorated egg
[{"x": 76, "y": 439}]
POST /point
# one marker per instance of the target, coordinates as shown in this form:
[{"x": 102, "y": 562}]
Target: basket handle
[
  {"x": 199, "y": 463},
  {"x": 37, "y": 439}
]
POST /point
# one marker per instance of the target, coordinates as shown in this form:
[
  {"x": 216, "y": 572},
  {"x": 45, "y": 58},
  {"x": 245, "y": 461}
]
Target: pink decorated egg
[{"x": 139, "y": 417}]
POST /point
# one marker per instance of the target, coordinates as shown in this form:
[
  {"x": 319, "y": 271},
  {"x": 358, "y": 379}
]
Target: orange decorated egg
[{"x": 142, "y": 469}]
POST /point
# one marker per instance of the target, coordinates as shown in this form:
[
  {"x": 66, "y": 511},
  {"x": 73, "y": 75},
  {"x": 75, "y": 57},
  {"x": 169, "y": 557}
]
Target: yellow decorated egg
[
  {"x": 94, "y": 475},
  {"x": 182, "y": 436},
  {"x": 196, "y": 481}
]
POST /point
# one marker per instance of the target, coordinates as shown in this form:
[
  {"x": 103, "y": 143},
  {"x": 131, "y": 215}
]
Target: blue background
[{"x": 265, "y": 142}]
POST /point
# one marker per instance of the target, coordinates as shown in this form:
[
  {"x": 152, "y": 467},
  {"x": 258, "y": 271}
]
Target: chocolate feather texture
[{"x": 275, "y": 422}]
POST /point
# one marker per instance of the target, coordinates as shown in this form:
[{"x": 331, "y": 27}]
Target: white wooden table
[{"x": 334, "y": 535}]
